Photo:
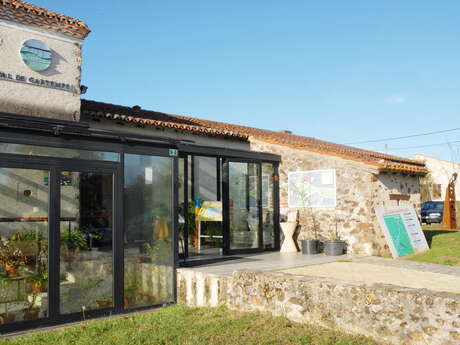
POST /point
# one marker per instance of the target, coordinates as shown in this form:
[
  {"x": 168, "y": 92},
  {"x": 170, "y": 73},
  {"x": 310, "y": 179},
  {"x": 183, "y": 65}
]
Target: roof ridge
[{"x": 276, "y": 136}]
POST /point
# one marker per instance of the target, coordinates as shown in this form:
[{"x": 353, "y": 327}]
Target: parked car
[{"x": 432, "y": 212}]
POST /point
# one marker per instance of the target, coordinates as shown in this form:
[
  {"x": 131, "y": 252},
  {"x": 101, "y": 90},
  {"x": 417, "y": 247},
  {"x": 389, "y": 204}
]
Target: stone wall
[
  {"x": 198, "y": 289},
  {"x": 360, "y": 187},
  {"x": 388, "y": 313}
]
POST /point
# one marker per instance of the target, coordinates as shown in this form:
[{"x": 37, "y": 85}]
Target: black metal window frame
[
  {"x": 258, "y": 158},
  {"x": 17, "y": 129},
  {"x": 55, "y": 165}
]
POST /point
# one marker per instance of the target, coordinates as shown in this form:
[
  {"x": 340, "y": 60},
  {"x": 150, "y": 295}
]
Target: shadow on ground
[{"x": 429, "y": 234}]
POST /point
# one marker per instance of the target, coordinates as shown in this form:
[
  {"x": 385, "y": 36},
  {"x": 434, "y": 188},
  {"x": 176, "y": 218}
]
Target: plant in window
[
  {"x": 72, "y": 240},
  {"x": 7, "y": 316},
  {"x": 190, "y": 223},
  {"x": 39, "y": 281},
  {"x": 10, "y": 258},
  {"x": 29, "y": 242},
  {"x": 131, "y": 289},
  {"x": 158, "y": 250},
  {"x": 32, "y": 310},
  {"x": 92, "y": 234}
]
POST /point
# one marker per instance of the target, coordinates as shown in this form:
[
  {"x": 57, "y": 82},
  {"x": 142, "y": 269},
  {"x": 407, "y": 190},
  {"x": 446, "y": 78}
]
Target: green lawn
[
  {"x": 182, "y": 325},
  {"x": 445, "y": 248}
]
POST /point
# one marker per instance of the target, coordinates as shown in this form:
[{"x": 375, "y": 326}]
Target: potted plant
[
  {"x": 335, "y": 246},
  {"x": 39, "y": 281},
  {"x": 72, "y": 241},
  {"x": 311, "y": 246},
  {"x": 10, "y": 258},
  {"x": 29, "y": 242},
  {"x": 31, "y": 311},
  {"x": 7, "y": 316}
]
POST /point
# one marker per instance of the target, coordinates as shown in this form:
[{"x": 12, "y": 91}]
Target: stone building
[
  {"x": 364, "y": 179},
  {"x": 102, "y": 202}
]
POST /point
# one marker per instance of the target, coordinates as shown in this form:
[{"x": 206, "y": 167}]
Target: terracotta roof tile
[
  {"x": 28, "y": 14},
  {"x": 384, "y": 162}
]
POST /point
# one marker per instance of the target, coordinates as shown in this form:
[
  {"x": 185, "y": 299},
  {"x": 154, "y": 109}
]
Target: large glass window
[
  {"x": 244, "y": 205},
  {"x": 148, "y": 232},
  {"x": 86, "y": 232},
  {"x": 205, "y": 233},
  {"x": 24, "y": 198}
]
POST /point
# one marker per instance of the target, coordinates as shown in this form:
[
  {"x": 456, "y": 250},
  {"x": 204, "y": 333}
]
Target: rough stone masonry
[
  {"x": 387, "y": 313},
  {"x": 360, "y": 187}
]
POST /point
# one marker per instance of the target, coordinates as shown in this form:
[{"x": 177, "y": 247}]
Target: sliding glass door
[
  {"x": 242, "y": 205},
  {"x": 250, "y": 206},
  {"x": 86, "y": 227}
]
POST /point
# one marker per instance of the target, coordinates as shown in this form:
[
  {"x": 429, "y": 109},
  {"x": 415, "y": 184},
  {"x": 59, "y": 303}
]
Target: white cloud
[{"x": 396, "y": 99}]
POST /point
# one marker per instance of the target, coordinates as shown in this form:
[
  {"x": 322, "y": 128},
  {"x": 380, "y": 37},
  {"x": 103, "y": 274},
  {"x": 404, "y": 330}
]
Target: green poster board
[
  {"x": 402, "y": 230},
  {"x": 398, "y": 233}
]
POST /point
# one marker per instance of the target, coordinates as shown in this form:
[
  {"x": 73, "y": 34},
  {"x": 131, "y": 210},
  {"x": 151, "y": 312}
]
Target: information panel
[
  {"x": 209, "y": 211},
  {"x": 313, "y": 188},
  {"x": 402, "y": 230}
]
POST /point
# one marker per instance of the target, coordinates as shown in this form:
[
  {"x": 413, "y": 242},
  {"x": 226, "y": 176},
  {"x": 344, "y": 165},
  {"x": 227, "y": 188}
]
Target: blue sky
[{"x": 343, "y": 71}]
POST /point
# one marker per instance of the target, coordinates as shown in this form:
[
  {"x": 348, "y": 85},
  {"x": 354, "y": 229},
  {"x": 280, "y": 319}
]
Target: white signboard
[
  {"x": 313, "y": 188},
  {"x": 402, "y": 230}
]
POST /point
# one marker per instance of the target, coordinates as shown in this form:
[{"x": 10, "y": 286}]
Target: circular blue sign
[{"x": 36, "y": 55}]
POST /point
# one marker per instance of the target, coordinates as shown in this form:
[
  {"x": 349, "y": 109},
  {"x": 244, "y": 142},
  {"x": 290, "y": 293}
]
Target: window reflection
[
  {"x": 268, "y": 210},
  {"x": 23, "y": 244},
  {"x": 86, "y": 232},
  {"x": 148, "y": 249},
  {"x": 49, "y": 151}
]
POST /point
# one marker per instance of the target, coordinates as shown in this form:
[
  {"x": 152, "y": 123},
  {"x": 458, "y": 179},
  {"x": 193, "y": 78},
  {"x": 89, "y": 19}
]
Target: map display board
[
  {"x": 402, "y": 230},
  {"x": 313, "y": 188},
  {"x": 209, "y": 211}
]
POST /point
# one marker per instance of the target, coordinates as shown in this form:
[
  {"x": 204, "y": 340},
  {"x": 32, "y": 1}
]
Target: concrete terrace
[{"x": 265, "y": 262}]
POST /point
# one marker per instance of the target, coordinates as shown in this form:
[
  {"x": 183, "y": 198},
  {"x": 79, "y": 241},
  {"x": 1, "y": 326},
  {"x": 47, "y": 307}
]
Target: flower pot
[
  {"x": 7, "y": 318},
  {"x": 310, "y": 247},
  {"x": 11, "y": 270},
  {"x": 38, "y": 287},
  {"x": 31, "y": 313},
  {"x": 103, "y": 303},
  {"x": 334, "y": 248}
]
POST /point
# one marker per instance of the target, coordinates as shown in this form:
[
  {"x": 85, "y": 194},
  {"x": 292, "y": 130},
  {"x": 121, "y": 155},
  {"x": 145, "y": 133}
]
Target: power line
[
  {"x": 422, "y": 146},
  {"x": 404, "y": 137}
]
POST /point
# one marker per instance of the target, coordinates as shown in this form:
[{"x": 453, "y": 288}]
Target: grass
[
  {"x": 445, "y": 248},
  {"x": 190, "y": 326}
]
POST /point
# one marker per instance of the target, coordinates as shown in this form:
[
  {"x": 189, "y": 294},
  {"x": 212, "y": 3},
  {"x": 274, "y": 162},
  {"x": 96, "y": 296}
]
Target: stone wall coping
[
  {"x": 195, "y": 271},
  {"x": 244, "y": 273}
]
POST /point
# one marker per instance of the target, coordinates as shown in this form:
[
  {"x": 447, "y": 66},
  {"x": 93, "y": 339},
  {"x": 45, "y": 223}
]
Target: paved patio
[{"x": 266, "y": 262}]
